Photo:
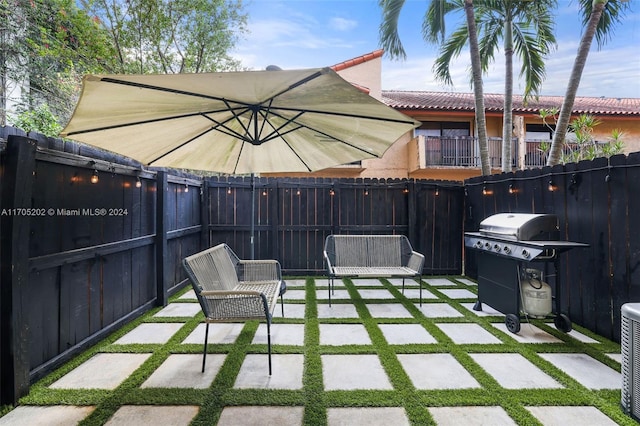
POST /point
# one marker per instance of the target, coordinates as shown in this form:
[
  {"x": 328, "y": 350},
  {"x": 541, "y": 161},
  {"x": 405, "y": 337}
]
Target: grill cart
[{"x": 511, "y": 249}]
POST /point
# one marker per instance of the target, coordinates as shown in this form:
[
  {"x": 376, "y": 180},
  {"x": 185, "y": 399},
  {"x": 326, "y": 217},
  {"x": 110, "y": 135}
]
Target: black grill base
[{"x": 498, "y": 284}]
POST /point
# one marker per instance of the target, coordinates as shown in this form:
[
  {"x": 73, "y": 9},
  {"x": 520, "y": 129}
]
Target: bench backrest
[
  {"x": 213, "y": 269},
  {"x": 368, "y": 250}
]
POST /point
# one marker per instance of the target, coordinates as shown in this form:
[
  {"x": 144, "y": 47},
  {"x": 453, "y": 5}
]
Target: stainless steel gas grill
[{"x": 511, "y": 247}]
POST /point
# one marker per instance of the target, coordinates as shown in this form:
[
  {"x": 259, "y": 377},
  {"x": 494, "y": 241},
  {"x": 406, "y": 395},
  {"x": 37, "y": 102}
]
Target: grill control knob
[
  {"x": 496, "y": 247},
  {"x": 487, "y": 245},
  {"x": 506, "y": 249},
  {"x": 525, "y": 253},
  {"x": 478, "y": 244}
]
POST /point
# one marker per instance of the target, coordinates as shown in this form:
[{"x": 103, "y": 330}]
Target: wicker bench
[
  {"x": 371, "y": 256},
  {"x": 230, "y": 289}
]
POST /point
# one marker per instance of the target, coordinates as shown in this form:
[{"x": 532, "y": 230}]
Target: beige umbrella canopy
[{"x": 235, "y": 122}]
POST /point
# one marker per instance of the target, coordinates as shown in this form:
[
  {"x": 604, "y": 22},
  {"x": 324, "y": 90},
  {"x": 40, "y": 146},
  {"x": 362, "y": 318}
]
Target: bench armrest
[
  {"x": 327, "y": 261},
  {"x": 259, "y": 270},
  {"x": 416, "y": 261}
]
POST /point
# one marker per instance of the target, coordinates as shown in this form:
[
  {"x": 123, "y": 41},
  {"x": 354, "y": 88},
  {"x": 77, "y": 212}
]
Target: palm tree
[
  {"x": 525, "y": 29},
  {"x": 434, "y": 32},
  {"x": 599, "y": 17}
]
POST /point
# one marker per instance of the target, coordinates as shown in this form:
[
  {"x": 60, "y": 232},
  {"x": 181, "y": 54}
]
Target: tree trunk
[
  {"x": 507, "y": 122},
  {"x": 574, "y": 83},
  {"x": 481, "y": 121}
]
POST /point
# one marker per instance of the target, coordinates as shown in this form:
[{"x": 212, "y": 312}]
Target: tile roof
[
  {"x": 445, "y": 101},
  {"x": 358, "y": 60}
]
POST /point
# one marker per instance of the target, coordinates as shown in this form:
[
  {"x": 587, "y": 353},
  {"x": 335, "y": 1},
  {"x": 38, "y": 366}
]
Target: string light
[
  {"x": 406, "y": 189},
  {"x": 512, "y": 189},
  {"x": 138, "y": 183},
  {"x": 94, "y": 177},
  {"x": 366, "y": 191},
  {"x": 552, "y": 187},
  {"x": 229, "y": 189},
  {"x": 437, "y": 192},
  {"x": 186, "y": 187},
  {"x": 484, "y": 190},
  {"x": 298, "y": 191},
  {"x": 332, "y": 191}
]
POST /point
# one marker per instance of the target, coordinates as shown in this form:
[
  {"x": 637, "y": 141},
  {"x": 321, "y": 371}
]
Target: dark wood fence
[
  {"x": 597, "y": 203},
  {"x": 292, "y": 217},
  {"x": 80, "y": 259}
]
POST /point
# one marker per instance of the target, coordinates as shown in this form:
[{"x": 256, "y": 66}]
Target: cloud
[{"x": 342, "y": 24}]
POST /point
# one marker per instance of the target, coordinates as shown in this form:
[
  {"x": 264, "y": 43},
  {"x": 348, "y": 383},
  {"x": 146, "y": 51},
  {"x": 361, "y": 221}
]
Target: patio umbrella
[{"x": 235, "y": 122}]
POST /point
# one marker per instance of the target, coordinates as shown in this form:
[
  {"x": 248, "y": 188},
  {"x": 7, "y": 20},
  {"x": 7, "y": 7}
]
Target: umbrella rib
[
  {"x": 179, "y": 146},
  {"x": 155, "y": 120},
  {"x": 168, "y": 90},
  {"x": 326, "y": 135},
  {"x": 345, "y": 114}
]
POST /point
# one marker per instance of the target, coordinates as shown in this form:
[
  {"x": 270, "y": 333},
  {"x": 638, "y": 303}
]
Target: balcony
[{"x": 435, "y": 151}]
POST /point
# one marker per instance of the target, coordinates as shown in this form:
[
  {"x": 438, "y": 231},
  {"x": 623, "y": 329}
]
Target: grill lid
[{"x": 520, "y": 226}]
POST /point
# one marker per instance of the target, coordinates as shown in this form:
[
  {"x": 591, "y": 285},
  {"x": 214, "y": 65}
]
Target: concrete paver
[
  {"x": 179, "y": 310},
  {"x": 402, "y": 334},
  {"x": 218, "y": 333},
  {"x": 175, "y": 415},
  {"x": 344, "y": 334},
  {"x": 254, "y": 372},
  {"x": 458, "y": 293},
  {"x": 349, "y": 372},
  {"x": 388, "y": 310},
  {"x": 438, "y": 310},
  {"x": 337, "y": 310},
  {"x": 185, "y": 371},
  {"x": 528, "y": 333},
  {"x": 439, "y": 282},
  {"x": 260, "y": 416},
  {"x": 102, "y": 371},
  {"x": 587, "y": 371},
  {"x": 375, "y": 294},
  {"x": 467, "y": 333},
  {"x": 562, "y": 416},
  {"x": 150, "y": 333},
  {"x": 370, "y": 416},
  {"x": 281, "y": 334},
  {"x": 54, "y": 415},
  {"x": 513, "y": 371},
  {"x": 471, "y": 416},
  {"x": 436, "y": 371}
]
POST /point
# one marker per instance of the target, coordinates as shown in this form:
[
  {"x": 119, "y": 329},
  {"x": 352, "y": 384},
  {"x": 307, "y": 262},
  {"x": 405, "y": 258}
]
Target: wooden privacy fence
[
  {"x": 596, "y": 203},
  {"x": 293, "y": 217},
  {"x": 80, "y": 259}
]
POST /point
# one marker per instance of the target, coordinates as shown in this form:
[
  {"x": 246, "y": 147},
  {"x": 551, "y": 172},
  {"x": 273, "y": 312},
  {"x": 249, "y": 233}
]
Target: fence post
[
  {"x": 14, "y": 250},
  {"x": 205, "y": 239},
  {"x": 161, "y": 239}
]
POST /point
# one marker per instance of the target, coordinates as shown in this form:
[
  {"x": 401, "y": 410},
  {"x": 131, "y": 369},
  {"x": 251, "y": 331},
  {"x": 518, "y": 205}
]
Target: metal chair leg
[
  {"x": 204, "y": 351},
  {"x": 269, "y": 342}
]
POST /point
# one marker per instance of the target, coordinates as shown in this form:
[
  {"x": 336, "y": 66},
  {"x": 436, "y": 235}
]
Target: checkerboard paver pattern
[{"x": 375, "y": 337}]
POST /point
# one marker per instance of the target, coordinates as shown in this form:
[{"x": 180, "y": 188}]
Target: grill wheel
[
  {"x": 512, "y": 321},
  {"x": 563, "y": 323}
]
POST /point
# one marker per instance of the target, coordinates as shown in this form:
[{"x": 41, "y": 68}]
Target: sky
[{"x": 296, "y": 34}]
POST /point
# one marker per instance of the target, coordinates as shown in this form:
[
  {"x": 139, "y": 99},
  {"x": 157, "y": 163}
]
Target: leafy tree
[
  {"x": 599, "y": 19},
  {"x": 45, "y": 46},
  {"x": 178, "y": 36},
  {"x": 39, "y": 119}
]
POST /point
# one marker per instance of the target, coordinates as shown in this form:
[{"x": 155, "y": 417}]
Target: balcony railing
[{"x": 465, "y": 152}]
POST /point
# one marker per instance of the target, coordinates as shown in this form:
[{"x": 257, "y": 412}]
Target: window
[
  {"x": 450, "y": 129},
  {"x": 538, "y": 132}
]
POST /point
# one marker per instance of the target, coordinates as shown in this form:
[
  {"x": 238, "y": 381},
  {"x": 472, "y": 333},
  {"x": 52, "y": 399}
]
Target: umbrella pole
[{"x": 253, "y": 214}]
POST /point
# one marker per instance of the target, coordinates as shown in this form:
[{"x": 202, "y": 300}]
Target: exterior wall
[{"x": 367, "y": 74}]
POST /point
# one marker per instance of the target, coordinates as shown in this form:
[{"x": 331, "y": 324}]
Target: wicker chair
[{"x": 230, "y": 289}]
